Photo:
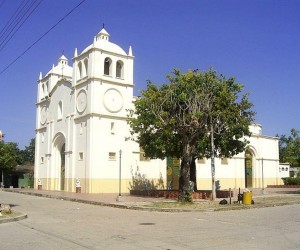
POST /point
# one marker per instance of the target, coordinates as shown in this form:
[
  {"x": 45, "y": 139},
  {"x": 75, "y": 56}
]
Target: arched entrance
[
  {"x": 62, "y": 167},
  {"x": 59, "y": 161},
  {"x": 248, "y": 168}
]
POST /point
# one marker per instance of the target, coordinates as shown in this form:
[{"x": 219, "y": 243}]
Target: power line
[
  {"x": 18, "y": 22},
  {"x": 40, "y": 38},
  {"x": 9, "y": 22}
]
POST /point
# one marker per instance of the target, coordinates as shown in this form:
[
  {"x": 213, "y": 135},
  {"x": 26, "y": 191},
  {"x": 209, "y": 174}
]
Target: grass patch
[
  {"x": 11, "y": 215},
  {"x": 259, "y": 201}
]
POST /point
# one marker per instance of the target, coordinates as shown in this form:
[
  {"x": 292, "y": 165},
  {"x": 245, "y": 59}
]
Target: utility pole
[
  {"x": 2, "y": 175},
  {"x": 119, "y": 198},
  {"x": 262, "y": 175}
]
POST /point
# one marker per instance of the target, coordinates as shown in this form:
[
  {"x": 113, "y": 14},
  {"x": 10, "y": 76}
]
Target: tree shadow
[{"x": 141, "y": 182}]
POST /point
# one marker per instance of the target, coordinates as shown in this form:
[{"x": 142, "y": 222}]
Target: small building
[
  {"x": 83, "y": 139},
  {"x": 20, "y": 177}
]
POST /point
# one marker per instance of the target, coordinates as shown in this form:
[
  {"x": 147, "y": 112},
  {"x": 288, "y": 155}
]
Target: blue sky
[{"x": 256, "y": 41}]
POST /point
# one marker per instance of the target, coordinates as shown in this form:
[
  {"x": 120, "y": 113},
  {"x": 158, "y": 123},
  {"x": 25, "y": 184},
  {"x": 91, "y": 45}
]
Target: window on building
[
  {"x": 80, "y": 156},
  {"x": 42, "y": 160},
  {"x": 85, "y": 62},
  {"x": 201, "y": 161},
  {"x": 60, "y": 110},
  {"x": 224, "y": 161},
  {"x": 112, "y": 128},
  {"x": 43, "y": 91},
  {"x": 79, "y": 70},
  {"x": 81, "y": 129},
  {"x": 119, "y": 69},
  {"x": 112, "y": 156},
  {"x": 107, "y": 66}
]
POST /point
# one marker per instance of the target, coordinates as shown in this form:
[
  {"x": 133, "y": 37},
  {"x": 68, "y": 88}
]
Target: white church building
[{"x": 83, "y": 139}]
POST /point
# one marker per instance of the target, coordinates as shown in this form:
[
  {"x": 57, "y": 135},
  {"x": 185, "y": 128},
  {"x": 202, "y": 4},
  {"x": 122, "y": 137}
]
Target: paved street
[{"x": 60, "y": 224}]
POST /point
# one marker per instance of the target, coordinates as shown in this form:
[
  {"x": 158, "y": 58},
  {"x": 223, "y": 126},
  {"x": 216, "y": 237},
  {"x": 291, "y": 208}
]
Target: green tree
[
  {"x": 28, "y": 153},
  {"x": 191, "y": 117},
  {"x": 289, "y": 148},
  {"x": 10, "y": 155}
]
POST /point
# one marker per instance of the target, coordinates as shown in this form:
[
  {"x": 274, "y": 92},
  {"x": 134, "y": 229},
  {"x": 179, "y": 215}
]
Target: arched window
[
  {"x": 107, "y": 66},
  {"x": 47, "y": 88},
  {"x": 79, "y": 70},
  {"x": 85, "y": 62},
  {"x": 60, "y": 110},
  {"x": 119, "y": 69},
  {"x": 43, "y": 91}
]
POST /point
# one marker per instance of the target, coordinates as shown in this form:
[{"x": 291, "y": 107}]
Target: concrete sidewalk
[
  {"x": 103, "y": 199},
  {"x": 127, "y": 201}
]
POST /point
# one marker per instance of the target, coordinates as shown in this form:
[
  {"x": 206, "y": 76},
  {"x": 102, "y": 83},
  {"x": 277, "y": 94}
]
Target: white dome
[
  {"x": 106, "y": 46},
  {"x": 62, "y": 67},
  {"x": 102, "y": 42}
]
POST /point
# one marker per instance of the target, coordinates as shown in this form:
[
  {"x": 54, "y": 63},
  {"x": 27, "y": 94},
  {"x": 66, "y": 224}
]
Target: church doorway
[
  {"x": 59, "y": 166},
  {"x": 248, "y": 168},
  {"x": 62, "y": 168}
]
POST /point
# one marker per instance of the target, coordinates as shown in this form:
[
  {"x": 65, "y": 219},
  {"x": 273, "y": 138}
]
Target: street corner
[{"x": 12, "y": 217}]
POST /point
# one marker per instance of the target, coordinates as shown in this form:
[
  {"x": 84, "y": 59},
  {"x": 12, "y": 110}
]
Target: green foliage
[
  {"x": 289, "y": 148},
  {"x": 28, "y": 153},
  {"x": 291, "y": 181},
  {"x": 10, "y": 155}
]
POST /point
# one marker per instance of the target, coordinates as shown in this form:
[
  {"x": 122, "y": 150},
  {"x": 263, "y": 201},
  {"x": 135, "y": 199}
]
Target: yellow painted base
[
  {"x": 205, "y": 184},
  {"x": 112, "y": 185},
  {"x": 89, "y": 186}
]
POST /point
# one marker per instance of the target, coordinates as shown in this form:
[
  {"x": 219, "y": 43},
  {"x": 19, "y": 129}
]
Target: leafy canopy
[
  {"x": 289, "y": 148},
  {"x": 168, "y": 118},
  {"x": 10, "y": 155}
]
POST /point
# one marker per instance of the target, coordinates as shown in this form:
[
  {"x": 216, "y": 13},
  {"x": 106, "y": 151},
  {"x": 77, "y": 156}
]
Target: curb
[
  {"x": 151, "y": 209},
  {"x": 13, "y": 219}
]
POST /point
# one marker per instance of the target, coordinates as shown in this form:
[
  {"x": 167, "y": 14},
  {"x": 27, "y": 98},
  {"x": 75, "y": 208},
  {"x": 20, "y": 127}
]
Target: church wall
[
  {"x": 105, "y": 141},
  {"x": 41, "y": 159},
  {"x": 80, "y": 143},
  {"x": 266, "y": 153}
]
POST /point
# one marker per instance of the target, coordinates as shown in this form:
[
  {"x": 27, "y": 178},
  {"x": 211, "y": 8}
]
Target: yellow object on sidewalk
[{"x": 247, "y": 198}]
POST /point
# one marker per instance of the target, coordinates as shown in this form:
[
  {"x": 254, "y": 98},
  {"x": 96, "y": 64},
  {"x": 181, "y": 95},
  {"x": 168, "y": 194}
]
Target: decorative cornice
[
  {"x": 265, "y": 136},
  {"x": 105, "y": 79},
  {"x": 41, "y": 129},
  {"x": 124, "y": 118}
]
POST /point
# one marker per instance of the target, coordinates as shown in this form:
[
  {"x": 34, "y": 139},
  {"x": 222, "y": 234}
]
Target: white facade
[{"x": 82, "y": 135}]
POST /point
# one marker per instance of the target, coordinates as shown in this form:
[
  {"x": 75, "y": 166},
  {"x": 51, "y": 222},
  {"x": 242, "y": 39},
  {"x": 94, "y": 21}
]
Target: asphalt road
[{"x": 59, "y": 224}]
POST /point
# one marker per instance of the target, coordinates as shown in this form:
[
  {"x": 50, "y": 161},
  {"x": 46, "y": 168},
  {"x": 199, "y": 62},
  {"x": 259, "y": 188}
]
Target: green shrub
[{"x": 291, "y": 181}]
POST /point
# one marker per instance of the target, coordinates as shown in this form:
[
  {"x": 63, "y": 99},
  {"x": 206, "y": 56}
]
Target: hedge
[{"x": 291, "y": 181}]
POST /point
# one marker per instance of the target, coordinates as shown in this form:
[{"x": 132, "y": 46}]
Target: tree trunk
[
  {"x": 193, "y": 174},
  {"x": 184, "y": 194}
]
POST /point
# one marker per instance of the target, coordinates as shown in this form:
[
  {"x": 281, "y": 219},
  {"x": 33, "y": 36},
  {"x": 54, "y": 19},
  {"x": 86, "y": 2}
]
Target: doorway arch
[
  {"x": 249, "y": 168},
  {"x": 62, "y": 168},
  {"x": 59, "y": 161}
]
